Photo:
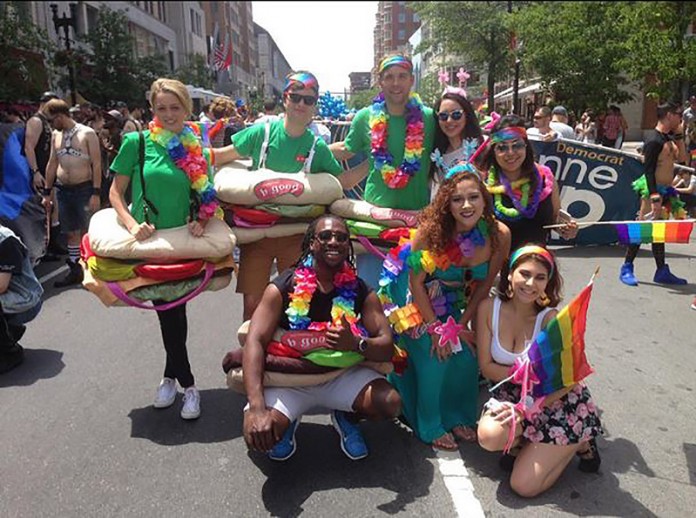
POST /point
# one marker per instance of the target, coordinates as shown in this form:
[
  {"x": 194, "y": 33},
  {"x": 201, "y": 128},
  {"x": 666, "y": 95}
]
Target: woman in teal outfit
[{"x": 452, "y": 261}]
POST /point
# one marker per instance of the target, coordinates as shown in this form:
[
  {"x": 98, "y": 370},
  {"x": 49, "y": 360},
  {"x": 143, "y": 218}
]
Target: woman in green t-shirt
[{"x": 174, "y": 162}]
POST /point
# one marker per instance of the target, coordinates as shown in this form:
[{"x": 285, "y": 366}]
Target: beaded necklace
[
  {"x": 186, "y": 152},
  {"x": 345, "y": 283},
  {"x": 413, "y": 147},
  {"x": 518, "y": 192}
]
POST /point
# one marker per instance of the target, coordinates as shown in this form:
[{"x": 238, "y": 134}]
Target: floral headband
[
  {"x": 510, "y": 133},
  {"x": 529, "y": 250}
]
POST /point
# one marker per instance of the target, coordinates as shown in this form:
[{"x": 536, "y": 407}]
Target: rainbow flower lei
[
  {"x": 186, "y": 152},
  {"x": 345, "y": 283},
  {"x": 518, "y": 192},
  {"x": 413, "y": 148}
]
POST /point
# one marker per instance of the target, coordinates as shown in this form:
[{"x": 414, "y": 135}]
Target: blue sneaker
[
  {"x": 352, "y": 442},
  {"x": 285, "y": 448},
  {"x": 664, "y": 276},
  {"x": 626, "y": 276}
]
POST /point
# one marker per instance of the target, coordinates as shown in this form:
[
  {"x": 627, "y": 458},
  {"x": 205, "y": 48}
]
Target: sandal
[
  {"x": 441, "y": 443},
  {"x": 590, "y": 459},
  {"x": 464, "y": 433}
]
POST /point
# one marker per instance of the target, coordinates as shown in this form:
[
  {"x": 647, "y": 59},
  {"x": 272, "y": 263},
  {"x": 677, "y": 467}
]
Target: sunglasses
[
  {"x": 538, "y": 117},
  {"x": 325, "y": 236},
  {"x": 456, "y": 115},
  {"x": 515, "y": 147},
  {"x": 309, "y": 100}
]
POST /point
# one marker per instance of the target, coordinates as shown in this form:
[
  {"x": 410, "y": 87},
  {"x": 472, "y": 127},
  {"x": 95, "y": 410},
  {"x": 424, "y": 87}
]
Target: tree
[
  {"x": 25, "y": 49},
  {"x": 476, "y": 30},
  {"x": 148, "y": 69},
  {"x": 576, "y": 48},
  {"x": 362, "y": 98},
  {"x": 195, "y": 72},
  {"x": 659, "y": 54}
]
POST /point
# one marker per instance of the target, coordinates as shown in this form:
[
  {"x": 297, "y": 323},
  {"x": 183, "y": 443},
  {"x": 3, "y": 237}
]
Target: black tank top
[{"x": 43, "y": 145}]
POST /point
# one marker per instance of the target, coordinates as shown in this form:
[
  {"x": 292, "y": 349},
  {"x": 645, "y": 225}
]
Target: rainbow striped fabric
[
  {"x": 557, "y": 356},
  {"x": 669, "y": 231}
]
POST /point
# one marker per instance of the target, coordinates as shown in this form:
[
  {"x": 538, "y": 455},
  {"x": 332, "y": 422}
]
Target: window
[
  {"x": 402, "y": 35},
  {"x": 416, "y": 18},
  {"x": 402, "y": 17}
]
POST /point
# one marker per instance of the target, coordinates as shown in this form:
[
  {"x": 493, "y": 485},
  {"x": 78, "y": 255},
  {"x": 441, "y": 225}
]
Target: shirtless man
[
  {"x": 76, "y": 162},
  {"x": 658, "y": 199}
]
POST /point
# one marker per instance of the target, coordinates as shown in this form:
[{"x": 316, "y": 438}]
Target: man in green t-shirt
[
  {"x": 284, "y": 146},
  {"x": 395, "y": 179}
]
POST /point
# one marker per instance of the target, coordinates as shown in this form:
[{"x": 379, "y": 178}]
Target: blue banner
[{"x": 595, "y": 185}]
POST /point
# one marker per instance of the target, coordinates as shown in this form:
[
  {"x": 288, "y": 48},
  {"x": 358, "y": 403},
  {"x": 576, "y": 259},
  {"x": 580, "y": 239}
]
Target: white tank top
[{"x": 498, "y": 352}]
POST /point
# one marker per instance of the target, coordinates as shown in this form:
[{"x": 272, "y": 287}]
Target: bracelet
[
  {"x": 96, "y": 191},
  {"x": 679, "y": 136},
  {"x": 46, "y": 191}
]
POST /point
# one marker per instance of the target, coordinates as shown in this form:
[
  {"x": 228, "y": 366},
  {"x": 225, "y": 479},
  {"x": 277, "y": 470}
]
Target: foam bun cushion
[
  {"x": 249, "y": 235},
  {"x": 109, "y": 238},
  {"x": 364, "y": 211},
  {"x": 264, "y": 186}
]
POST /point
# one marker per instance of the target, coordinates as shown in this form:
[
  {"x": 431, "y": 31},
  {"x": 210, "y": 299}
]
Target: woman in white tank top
[{"x": 567, "y": 423}]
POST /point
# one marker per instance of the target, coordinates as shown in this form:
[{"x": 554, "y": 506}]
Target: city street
[{"x": 80, "y": 436}]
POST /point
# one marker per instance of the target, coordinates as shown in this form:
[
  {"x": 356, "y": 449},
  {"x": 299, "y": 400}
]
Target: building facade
[
  {"x": 394, "y": 25},
  {"x": 273, "y": 67}
]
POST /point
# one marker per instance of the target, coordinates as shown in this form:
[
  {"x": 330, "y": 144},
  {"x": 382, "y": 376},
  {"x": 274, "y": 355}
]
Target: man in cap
[
  {"x": 394, "y": 180},
  {"x": 559, "y": 123}
]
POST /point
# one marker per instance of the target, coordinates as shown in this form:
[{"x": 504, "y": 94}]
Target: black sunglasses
[
  {"x": 456, "y": 115},
  {"x": 309, "y": 100},
  {"x": 325, "y": 236}
]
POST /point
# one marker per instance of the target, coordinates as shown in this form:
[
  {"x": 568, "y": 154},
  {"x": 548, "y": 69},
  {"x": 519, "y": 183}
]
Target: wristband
[
  {"x": 36, "y": 171},
  {"x": 96, "y": 191},
  {"x": 656, "y": 199},
  {"x": 680, "y": 136},
  {"x": 46, "y": 191}
]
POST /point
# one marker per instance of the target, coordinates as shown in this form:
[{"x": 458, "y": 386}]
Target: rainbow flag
[
  {"x": 557, "y": 356},
  {"x": 668, "y": 231}
]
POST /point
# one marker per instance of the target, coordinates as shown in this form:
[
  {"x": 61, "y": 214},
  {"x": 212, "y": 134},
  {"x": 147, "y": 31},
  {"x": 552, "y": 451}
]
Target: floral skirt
[{"x": 569, "y": 420}]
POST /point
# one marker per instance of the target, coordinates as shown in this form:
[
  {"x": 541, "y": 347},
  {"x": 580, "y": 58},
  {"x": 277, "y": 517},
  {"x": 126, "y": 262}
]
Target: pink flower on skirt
[
  {"x": 556, "y": 431},
  {"x": 581, "y": 410},
  {"x": 577, "y": 428},
  {"x": 572, "y": 419},
  {"x": 586, "y": 435},
  {"x": 562, "y": 440},
  {"x": 533, "y": 435},
  {"x": 591, "y": 408},
  {"x": 572, "y": 397}
]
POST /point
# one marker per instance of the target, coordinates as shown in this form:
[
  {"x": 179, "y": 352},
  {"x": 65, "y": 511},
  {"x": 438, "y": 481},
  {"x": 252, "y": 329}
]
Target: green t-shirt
[
  {"x": 285, "y": 154},
  {"x": 167, "y": 186},
  {"x": 415, "y": 195}
]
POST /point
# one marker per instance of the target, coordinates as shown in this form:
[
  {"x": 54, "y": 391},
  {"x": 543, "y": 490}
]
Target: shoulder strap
[
  {"x": 310, "y": 157},
  {"x": 147, "y": 205},
  {"x": 264, "y": 146}
]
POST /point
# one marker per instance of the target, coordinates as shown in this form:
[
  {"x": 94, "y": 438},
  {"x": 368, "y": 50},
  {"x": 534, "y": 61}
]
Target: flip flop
[
  {"x": 464, "y": 433},
  {"x": 438, "y": 443}
]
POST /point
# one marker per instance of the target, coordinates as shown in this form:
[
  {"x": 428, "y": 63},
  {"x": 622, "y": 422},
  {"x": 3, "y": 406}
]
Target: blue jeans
[
  {"x": 18, "y": 319},
  {"x": 73, "y": 206}
]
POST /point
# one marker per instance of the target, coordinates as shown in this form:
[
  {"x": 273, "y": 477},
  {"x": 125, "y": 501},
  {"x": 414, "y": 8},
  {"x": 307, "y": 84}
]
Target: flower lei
[
  {"x": 186, "y": 152},
  {"x": 518, "y": 192},
  {"x": 413, "y": 147},
  {"x": 345, "y": 283}
]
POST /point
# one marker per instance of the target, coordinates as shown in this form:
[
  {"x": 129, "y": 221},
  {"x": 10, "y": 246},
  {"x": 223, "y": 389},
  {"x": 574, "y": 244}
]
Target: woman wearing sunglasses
[
  {"x": 525, "y": 194},
  {"x": 454, "y": 258},
  {"x": 457, "y": 133}
]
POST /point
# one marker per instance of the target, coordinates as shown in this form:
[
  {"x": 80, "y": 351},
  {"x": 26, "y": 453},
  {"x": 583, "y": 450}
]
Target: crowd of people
[{"x": 477, "y": 259}]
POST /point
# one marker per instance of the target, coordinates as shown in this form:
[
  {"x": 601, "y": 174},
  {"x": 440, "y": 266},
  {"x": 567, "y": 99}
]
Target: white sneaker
[
  {"x": 166, "y": 393},
  {"x": 192, "y": 404}
]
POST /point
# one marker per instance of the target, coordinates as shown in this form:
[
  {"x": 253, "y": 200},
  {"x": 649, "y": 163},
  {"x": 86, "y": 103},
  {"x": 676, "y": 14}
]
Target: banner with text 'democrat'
[{"x": 595, "y": 185}]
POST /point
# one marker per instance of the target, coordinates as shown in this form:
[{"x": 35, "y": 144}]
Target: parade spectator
[
  {"x": 559, "y": 123},
  {"x": 685, "y": 184},
  {"x": 20, "y": 297},
  {"x": 37, "y": 149},
  {"x": 658, "y": 199},
  {"x": 586, "y": 130},
  {"x": 689, "y": 118},
  {"x": 615, "y": 128},
  {"x": 381, "y": 131},
  {"x": 166, "y": 205},
  {"x": 205, "y": 115},
  {"x": 542, "y": 129},
  {"x": 74, "y": 167},
  {"x": 110, "y": 138},
  {"x": 131, "y": 116},
  {"x": 457, "y": 133},
  {"x": 273, "y": 414},
  {"x": 269, "y": 112},
  {"x": 221, "y": 109},
  {"x": 568, "y": 421},
  {"x": 439, "y": 386},
  {"x": 289, "y": 147}
]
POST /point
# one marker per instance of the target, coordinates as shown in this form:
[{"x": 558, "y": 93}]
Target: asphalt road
[{"x": 80, "y": 437}]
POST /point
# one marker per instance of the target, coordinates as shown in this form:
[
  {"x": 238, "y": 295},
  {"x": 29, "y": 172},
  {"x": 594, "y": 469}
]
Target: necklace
[
  {"x": 305, "y": 279},
  {"x": 518, "y": 193},
  {"x": 186, "y": 152},
  {"x": 413, "y": 147}
]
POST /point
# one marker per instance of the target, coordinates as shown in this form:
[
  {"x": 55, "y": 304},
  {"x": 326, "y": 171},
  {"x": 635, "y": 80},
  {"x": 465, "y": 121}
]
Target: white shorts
[{"x": 337, "y": 394}]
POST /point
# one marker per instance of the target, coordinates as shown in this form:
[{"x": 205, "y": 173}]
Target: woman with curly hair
[{"x": 455, "y": 255}]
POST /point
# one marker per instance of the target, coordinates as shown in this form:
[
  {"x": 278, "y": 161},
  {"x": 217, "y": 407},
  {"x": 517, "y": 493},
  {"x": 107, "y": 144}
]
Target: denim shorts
[{"x": 73, "y": 206}]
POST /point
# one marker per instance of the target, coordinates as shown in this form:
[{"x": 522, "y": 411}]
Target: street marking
[
  {"x": 458, "y": 483},
  {"x": 52, "y": 274}
]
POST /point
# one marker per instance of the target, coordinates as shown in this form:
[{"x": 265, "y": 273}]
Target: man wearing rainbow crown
[
  {"x": 397, "y": 132},
  {"x": 283, "y": 146}
]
